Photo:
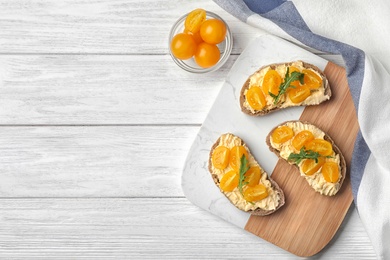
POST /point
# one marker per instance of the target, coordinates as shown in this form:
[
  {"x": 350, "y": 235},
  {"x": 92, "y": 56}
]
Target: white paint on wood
[
  {"x": 101, "y": 89},
  {"x": 90, "y": 89},
  {"x": 144, "y": 228},
  {"x": 85, "y": 161},
  {"x": 84, "y": 85},
  {"x": 126, "y": 27}
]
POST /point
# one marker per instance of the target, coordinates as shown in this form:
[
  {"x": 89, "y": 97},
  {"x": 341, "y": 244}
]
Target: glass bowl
[{"x": 190, "y": 65}]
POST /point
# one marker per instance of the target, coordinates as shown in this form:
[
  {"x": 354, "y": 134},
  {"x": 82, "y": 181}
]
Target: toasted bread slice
[
  {"x": 261, "y": 207},
  {"x": 315, "y": 90},
  {"x": 315, "y": 173}
]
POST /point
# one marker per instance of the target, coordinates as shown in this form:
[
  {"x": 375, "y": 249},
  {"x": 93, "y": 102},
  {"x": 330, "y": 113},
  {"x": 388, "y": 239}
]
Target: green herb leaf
[
  {"x": 303, "y": 154},
  {"x": 288, "y": 79},
  {"x": 244, "y": 167}
]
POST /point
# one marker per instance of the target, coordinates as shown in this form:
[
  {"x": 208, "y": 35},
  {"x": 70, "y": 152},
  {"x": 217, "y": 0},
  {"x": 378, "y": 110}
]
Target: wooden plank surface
[
  {"x": 107, "y": 89},
  {"x": 83, "y": 86},
  {"x": 308, "y": 220},
  {"x": 147, "y": 228},
  {"x": 97, "y": 26},
  {"x": 99, "y": 161},
  {"x": 104, "y": 89}
]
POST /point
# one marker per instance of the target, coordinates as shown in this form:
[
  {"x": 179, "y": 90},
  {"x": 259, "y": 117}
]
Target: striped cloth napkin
[{"x": 358, "y": 31}]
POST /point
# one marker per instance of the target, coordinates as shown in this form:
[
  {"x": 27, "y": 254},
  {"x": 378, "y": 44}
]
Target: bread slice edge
[
  {"x": 275, "y": 186},
  {"x": 336, "y": 149},
  {"x": 327, "y": 89}
]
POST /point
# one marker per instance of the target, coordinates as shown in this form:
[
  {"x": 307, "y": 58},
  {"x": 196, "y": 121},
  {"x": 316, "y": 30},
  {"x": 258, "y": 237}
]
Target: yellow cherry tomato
[
  {"x": 331, "y": 172},
  {"x": 320, "y": 146},
  {"x": 196, "y": 36},
  {"x": 207, "y": 55},
  {"x": 236, "y": 152},
  {"x": 229, "y": 181},
  {"x": 301, "y": 139},
  {"x": 255, "y": 98},
  {"x": 291, "y": 69},
  {"x": 252, "y": 176},
  {"x": 255, "y": 193},
  {"x": 271, "y": 82},
  {"x": 311, "y": 79},
  {"x": 310, "y": 166},
  {"x": 282, "y": 134},
  {"x": 183, "y": 46},
  {"x": 194, "y": 20},
  {"x": 299, "y": 94},
  {"x": 213, "y": 31},
  {"x": 220, "y": 157}
]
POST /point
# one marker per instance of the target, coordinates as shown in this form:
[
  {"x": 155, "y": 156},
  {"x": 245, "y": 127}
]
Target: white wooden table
[{"x": 95, "y": 125}]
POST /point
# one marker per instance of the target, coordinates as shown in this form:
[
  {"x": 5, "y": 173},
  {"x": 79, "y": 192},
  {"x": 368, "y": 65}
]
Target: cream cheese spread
[
  {"x": 268, "y": 203},
  {"x": 316, "y": 97},
  {"x": 316, "y": 181}
]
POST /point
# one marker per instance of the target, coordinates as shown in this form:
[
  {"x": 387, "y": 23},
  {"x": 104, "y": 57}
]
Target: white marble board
[{"x": 226, "y": 116}]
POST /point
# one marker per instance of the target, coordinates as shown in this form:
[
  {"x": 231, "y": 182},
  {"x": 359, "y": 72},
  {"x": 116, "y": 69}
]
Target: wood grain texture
[
  {"x": 83, "y": 86},
  {"x": 97, "y": 26},
  {"x": 74, "y": 89},
  {"x": 308, "y": 220},
  {"x": 104, "y": 89},
  {"x": 125, "y": 228},
  {"x": 109, "y": 89},
  {"x": 86, "y": 161}
]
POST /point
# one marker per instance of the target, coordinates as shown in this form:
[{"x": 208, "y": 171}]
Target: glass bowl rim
[{"x": 224, "y": 55}]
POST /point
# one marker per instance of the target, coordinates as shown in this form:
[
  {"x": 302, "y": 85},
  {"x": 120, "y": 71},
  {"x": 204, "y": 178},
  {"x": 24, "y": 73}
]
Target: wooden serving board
[{"x": 308, "y": 220}]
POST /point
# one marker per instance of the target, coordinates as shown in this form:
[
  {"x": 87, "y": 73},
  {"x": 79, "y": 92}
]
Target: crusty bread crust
[
  {"x": 275, "y": 186},
  {"x": 336, "y": 149},
  {"x": 327, "y": 91}
]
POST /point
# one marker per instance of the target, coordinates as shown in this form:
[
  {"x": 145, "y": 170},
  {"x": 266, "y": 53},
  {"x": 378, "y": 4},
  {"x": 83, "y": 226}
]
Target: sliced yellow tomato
[
  {"x": 229, "y": 181},
  {"x": 194, "y": 20},
  {"x": 301, "y": 139},
  {"x": 252, "y": 176},
  {"x": 311, "y": 79},
  {"x": 331, "y": 172},
  {"x": 291, "y": 69},
  {"x": 256, "y": 98},
  {"x": 255, "y": 193},
  {"x": 282, "y": 134},
  {"x": 220, "y": 157},
  {"x": 299, "y": 94},
  {"x": 320, "y": 146},
  {"x": 271, "y": 82},
  {"x": 310, "y": 166},
  {"x": 236, "y": 152}
]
